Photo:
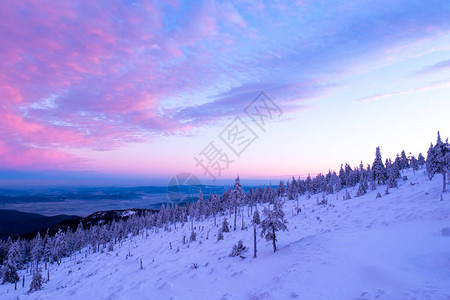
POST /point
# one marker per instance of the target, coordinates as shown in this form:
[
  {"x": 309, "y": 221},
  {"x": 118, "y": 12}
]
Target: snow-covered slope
[{"x": 394, "y": 247}]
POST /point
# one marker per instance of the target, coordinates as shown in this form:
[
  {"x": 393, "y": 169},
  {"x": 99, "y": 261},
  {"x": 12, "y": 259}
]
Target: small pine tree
[
  {"x": 220, "y": 235},
  {"x": 225, "y": 226},
  {"x": 37, "y": 281},
  {"x": 193, "y": 236},
  {"x": 362, "y": 187},
  {"x": 10, "y": 273},
  {"x": 256, "y": 219},
  {"x": 379, "y": 171},
  {"x": 273, "y": 221},
  {"x": 392, "y": 180},
  {"x": 347, "y": 195},
  {"x": 239, "y": 250},
  {"x": 438, "y": 160}
]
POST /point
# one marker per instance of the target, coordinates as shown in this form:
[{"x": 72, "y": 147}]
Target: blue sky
[{"x": 135, "y": 90}]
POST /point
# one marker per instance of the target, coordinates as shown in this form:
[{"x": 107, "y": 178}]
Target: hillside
[
  {"x": 14, "y": 223},
  {"x": 394, "y": 247}
]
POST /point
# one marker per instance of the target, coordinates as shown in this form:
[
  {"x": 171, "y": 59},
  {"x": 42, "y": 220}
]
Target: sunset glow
[{"x": 96, "y": 92}]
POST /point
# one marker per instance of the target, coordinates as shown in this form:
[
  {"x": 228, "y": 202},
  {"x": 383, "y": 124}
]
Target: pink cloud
[{"x": 37, "y": 159}]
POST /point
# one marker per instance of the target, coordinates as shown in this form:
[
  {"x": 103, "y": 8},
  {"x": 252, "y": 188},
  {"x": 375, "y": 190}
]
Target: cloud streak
[{"x": 100, "y": 75}]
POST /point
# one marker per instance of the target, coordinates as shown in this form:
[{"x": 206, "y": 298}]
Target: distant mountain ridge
[
  {"x": 15, "y": 223},
  {"x": 26, "y": 225}
]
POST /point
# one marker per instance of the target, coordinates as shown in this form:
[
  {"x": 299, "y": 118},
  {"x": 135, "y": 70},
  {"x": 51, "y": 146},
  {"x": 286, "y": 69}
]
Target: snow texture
[{"x": 393, "y": 247}]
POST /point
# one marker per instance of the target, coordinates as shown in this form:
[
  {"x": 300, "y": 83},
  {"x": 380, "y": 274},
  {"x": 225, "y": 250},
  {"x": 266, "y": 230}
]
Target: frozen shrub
[{"x": 239, "y": 250}]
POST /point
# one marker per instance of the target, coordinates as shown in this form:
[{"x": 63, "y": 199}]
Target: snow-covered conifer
[
  {"x": 225, "y": 226},
  {"x": 273, "y": 221},
  {"x": 392, "y": 180},
  {"x": 379, "y": 171},
  {"x": 362, "y": 186},
  {"x": 239, "y": 250},
  {"x": 220, "y": 235},
  {"x": 193, "y": 237},
  {"x": 237, "y": 197},
  {"x": 10, "y": 269},
  {"x": 38, "y": 249},
  {"x": 37, "y": 281},
  {"x": 438, "y": 160}
]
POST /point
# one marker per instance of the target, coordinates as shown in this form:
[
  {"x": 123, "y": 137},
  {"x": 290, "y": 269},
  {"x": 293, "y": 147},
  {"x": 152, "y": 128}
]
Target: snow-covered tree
[
  {"x": 193, "y": 237},
  {"x": 438, "y": 160},
  {"x": 379, "y": 171},
  {"x": 220, "y": 235},
  {"x": 225, "y": 226},
  {"x": 59, "y": 247},
  {"x": 37, "y": 281},
  {"x": 420, "y": 159},
  {"x": 10, "y": 269},
  {"x": 392, "y": 178},
  {"x": 255, "y": 221},
  {"x": 414, "y": 164},
  {"x": 273, "y": 221},
  {"x": 38, "y": 249},
  {"x": 404, "y": 161},
  {"x": 281, "y": 189},
  {"x": 237, "y": 197},
  {"x": 199, "y": 207},
  {"x": 239, "y": 250},
  {"x": 362, "y": 186}
]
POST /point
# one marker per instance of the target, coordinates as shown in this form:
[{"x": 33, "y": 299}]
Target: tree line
[{"x": 38, "y": 252}]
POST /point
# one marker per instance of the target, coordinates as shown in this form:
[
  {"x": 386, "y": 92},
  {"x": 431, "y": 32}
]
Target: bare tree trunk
[
  {"x": 443, "y": 181},
  {"x": 274, "y": 239},
  {"x": 254, "y": 241},
  {"x": 235, "y": 217}
]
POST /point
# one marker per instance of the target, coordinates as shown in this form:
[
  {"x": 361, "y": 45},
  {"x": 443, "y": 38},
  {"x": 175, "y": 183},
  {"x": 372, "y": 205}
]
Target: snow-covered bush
[
  {"x": 193, "y": 236},
  {"x": 220, "y": 235},
  {"x": 239, "y": 250}
]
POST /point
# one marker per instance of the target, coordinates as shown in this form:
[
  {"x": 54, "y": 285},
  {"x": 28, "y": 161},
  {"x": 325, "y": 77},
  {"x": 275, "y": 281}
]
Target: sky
[{"x": 136, "y": 92}]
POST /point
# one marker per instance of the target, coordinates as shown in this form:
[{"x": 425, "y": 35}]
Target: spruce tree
[
  {"x": 392, "y": 180},
  {"x": 362, "y": 187},
  {"x": 438, "y": 160},
  {"x": 225, "y": 226},
  {"x": 10, "y": 270},
  {"x": 430, "y": 163},
  {"x": 379, "y": 171},
  {"x": 37, "y": 281}
]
